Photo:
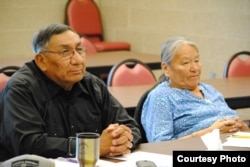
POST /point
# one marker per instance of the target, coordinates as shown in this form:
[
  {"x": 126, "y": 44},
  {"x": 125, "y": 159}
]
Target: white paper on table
[
  {"x": 212, "y": 140},
  {"x": 160, "y": 160},
  {"x": 61, "y": 163},
  {"x": 64, "y": 162},
  {"x": 238, "y": 139},
  {"x": 128, "y": 160}
]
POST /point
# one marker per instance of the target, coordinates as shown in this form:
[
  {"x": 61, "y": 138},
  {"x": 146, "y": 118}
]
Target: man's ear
[
  {"x": 165, "y": 68},
  {"x": 40, "y": 60}
]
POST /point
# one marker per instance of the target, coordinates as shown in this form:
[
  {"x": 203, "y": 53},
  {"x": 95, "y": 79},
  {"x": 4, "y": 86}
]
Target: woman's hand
[
  {"x": 229, "y": 125},
  {"x": 226, "y": 125}
]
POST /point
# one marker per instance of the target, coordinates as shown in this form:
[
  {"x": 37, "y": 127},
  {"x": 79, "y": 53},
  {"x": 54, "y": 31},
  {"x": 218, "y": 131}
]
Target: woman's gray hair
[
  {"x": 41, "y": 38},
  {"x": 171, "y": 45}
]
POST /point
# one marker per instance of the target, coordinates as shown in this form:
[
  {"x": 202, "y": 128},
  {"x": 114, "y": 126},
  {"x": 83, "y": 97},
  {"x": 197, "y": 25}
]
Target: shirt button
[{"x": 72, "y": 127}]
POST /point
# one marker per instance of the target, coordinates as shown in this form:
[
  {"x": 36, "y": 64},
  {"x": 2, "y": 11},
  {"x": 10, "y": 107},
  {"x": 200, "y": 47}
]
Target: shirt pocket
[
  {"x": 94, "y": 125},
  {"x": 55, "y": 131}
]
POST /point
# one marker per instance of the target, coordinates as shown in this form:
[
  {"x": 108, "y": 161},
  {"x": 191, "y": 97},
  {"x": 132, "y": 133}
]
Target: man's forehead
[{"x": 64, "y": 40}]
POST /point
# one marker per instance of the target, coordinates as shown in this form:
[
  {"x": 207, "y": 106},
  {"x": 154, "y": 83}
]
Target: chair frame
[
  {"x": 137, "y": 115},
  {"x": 9, "y": 70},
  {"x": 116, "y": 66},
  {"x": 92, "y": 25},
  {"x": 226, "y": 69}
]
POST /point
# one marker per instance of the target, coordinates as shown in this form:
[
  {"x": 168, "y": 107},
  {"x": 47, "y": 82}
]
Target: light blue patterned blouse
[{"x": 170, "y": 113}]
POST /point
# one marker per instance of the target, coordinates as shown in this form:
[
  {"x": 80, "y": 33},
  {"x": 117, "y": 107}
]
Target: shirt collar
[{"x": 54, "y": 88}]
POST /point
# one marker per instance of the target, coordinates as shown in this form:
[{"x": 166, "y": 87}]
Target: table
[
  {"x": 194, "y": 143},
  {"x": 128, "y": 96},
  {"x": 167, "y": 147},
  {"x": 235, "y": 90},
  {"x": 189, "y": 144},
  {"x": 101, "y": 62}
]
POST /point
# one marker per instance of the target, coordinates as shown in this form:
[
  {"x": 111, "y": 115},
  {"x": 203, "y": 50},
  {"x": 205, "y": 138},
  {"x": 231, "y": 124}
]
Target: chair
[
  {"x": 84, "y": 16},
  {"x": 137, "y": 115},
  {"x": 130, "y": 72},
  {"x": 238, "y": 65},
  {"x": 9, "y": 70},
  {"x": 89, "y": 45},
  {"x": 5, "y": 74},
  {"x": 3, "y": 80}
]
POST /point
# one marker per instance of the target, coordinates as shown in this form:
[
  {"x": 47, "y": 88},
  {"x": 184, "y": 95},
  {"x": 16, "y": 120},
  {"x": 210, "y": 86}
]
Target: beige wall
[
  {"x": 219, "y": 27},
  {"x": 19, "y": 20}
]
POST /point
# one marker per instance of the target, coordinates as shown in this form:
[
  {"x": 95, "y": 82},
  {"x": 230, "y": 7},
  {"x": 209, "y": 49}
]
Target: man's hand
[{"x": 116, "y": 140}]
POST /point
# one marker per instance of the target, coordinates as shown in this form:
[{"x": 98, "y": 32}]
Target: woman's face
[{"x": 185, "y": 68}]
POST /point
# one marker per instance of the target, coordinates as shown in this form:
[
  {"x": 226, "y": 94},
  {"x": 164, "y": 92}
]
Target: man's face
[{"x": 64, "y": 59}]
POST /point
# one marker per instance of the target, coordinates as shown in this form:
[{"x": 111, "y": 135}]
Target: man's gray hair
[{"x": 41, "y": 38}]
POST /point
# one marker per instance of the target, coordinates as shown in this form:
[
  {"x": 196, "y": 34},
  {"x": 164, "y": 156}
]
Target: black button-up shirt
[{"x": 38, "y": 117}]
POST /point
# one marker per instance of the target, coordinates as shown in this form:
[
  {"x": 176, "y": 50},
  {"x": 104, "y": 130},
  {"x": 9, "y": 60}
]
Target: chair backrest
[
  {"x": 84, "y": 16},
  {"x": 137, "y": 116},
  {"x": 3, "y": 80},
  {"x": 138, "y": 109},
  {"x": 9, "y": 70},
  {"x": 89, "y": 45},
  {"x": 130, "y": 72},
  {"x": 238, "y": 65},
  {"x": 5, "y": 73}
]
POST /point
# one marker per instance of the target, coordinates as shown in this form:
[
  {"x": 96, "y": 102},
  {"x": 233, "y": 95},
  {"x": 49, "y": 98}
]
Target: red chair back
[
  {"x": 3, "y": 80},
  {"x": 130, "y": 72},
  {"x": 89, "y": 45},
  {"x": 5, "y": 74},
  {"x": 238, "y": 65},
  {"x": 84, "y": 17}
]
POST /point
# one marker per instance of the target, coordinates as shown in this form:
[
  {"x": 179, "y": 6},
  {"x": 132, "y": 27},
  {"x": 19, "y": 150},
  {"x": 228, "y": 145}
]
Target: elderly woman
[{"x": 181, "y": 106}]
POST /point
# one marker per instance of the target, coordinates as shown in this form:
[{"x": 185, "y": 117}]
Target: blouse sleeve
[{"x": 157, "y": 117}]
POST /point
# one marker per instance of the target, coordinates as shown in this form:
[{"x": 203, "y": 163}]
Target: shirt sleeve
[
  {"x": 157, "y": 118},
  {"x": 25, "y": 133},
  {"x": 114, "y": 112}
]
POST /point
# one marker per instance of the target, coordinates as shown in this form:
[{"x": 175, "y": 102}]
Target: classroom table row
[
  {"x": 189, "y": 144},
  {"x": 194, "y": 143},
  {"x": 98, "y": 63},
  {"x": 235, "y": 90},
  {"x": 167, "y": 148}
]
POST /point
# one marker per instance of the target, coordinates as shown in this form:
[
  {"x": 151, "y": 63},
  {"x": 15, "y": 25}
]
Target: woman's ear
[
  {"x": 40, "y": 60},
  {"x": 165, "y": 68}
]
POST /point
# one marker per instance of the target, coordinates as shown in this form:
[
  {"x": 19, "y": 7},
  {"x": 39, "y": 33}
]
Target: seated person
[
  {"x": 182, "y": 106},
  {"x": 53, "y": 97}
]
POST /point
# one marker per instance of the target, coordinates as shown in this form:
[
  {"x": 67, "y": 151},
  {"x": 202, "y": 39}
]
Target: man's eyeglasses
[{"x": 68, "y": 53}]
